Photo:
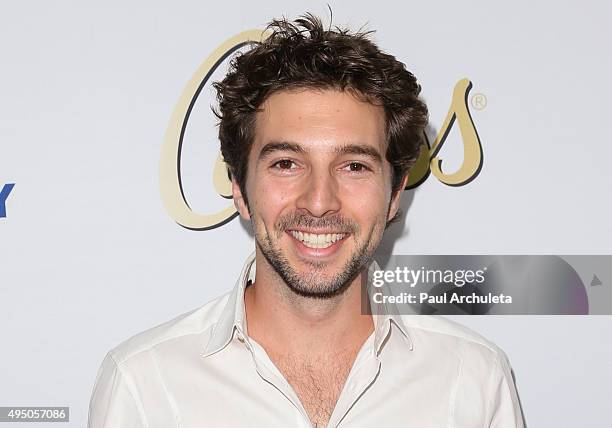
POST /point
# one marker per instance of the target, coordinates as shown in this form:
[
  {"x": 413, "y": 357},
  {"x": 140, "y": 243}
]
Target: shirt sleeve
[
  {"x": 505, "y": 405},
  {"x": 113, "y": 401}
]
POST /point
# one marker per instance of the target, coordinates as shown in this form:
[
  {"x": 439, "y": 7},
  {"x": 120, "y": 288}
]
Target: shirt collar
[
  {"x": 384, "y": 315},
  {"x": 233, "y": 315},
  {"x": 232, "y": 318}
]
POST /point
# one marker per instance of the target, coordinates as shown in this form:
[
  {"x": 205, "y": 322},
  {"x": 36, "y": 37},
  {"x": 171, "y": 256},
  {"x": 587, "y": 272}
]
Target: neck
[{"x": 303, "y": 325}]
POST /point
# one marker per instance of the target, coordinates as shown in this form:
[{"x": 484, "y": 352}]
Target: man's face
[{"x": 318, "y": 187}]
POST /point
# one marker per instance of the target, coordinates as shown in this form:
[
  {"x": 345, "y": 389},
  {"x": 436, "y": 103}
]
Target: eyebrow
[
  {"x": 347, "y": 149},
  {"x": 359, "y": 149},
  {"x": 280, "y": 146}
]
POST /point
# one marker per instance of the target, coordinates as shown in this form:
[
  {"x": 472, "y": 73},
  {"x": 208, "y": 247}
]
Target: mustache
[{"x": 300, "y": 220}]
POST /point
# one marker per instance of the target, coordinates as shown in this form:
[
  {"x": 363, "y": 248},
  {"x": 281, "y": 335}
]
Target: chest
[{"x": 317, "y": 381}]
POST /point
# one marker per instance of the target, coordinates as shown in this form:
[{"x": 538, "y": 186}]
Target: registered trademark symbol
[{"x": 479, "y": 101}]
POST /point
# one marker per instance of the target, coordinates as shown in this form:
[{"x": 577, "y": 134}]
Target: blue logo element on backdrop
[{"x": 4, "y": 194}]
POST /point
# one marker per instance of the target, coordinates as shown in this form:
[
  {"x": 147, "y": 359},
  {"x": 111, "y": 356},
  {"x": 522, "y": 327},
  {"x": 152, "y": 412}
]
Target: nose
[{"x": 319, "y": 196}]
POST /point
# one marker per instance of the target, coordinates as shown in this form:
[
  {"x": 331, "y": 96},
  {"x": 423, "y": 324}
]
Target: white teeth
[{"x": 312, "y": 240}]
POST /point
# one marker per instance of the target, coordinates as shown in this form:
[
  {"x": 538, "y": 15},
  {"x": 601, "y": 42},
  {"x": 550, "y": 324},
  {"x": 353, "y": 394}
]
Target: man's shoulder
[
  {"x": 198, "y": 322},
  {"x": 439, "y": 331}
]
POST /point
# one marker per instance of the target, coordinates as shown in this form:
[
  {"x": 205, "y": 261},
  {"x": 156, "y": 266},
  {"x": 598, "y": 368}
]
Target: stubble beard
[{"x": 316, "y": 282}]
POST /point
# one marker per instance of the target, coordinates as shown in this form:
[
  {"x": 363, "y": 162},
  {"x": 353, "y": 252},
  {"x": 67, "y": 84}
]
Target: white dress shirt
[{"x": 202, "y": 370}]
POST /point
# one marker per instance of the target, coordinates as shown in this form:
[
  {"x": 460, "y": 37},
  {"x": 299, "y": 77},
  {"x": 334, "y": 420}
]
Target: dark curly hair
[{"x": 303, "y": 54}]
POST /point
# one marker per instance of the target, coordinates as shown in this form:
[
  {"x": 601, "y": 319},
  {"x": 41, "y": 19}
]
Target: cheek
[
  {"x": 367, "y": 200},
  {"x": 269, "y": 199}
]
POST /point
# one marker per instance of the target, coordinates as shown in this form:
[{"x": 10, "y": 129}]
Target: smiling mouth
[{"x": 313, "y": 240}]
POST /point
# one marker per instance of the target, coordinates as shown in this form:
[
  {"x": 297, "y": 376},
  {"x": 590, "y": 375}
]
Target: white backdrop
[{"x": 89, "y": 255}]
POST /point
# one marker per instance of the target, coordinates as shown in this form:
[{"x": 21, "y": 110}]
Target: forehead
[{"x": 319, "y": 119}]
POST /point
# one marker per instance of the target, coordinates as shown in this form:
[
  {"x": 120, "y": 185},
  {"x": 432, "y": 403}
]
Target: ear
[
  {"x": 395, "y": 199},
  {"x": 239, "y": 202}
]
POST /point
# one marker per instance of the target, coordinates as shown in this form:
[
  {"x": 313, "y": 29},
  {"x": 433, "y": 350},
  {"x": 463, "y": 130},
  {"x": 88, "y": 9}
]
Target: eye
[
  {"x": 284, "y": 164},
  {"x": 356, "y": 167}
]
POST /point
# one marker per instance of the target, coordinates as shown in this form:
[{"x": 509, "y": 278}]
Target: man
[{"x": 319, "y": 129}]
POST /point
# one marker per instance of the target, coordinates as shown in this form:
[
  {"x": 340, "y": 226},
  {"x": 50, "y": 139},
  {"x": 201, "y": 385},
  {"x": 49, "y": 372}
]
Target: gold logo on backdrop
[
  {"x": 171, "y": 187},
  {"x": 428, "y": 160}
]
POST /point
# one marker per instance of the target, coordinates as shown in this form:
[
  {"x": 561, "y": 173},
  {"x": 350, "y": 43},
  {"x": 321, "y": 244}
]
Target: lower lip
[{"x": 317, "y": 252}]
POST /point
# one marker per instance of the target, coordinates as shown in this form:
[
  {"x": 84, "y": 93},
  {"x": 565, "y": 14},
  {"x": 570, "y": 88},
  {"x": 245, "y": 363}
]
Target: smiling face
[{"x": 318, "y": 187}]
